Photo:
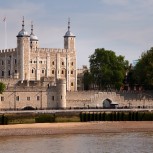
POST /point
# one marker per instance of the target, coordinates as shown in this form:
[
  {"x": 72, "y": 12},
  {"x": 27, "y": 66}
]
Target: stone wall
[
  {"x": 20, "y": 97},
  {"x": 95, "y": 99},
  {"x": 52, "y": 98},
  {"x": 91, "y": 98}
]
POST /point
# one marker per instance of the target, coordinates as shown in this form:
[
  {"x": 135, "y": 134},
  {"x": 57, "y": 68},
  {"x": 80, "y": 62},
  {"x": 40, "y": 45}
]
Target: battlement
[
  {"x": 9, "y": 81},
  {"x": 8, "y": 50}
]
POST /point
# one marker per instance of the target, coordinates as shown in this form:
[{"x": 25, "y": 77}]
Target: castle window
[
  {"x": 43, "y": 71},
  {"x": 53, "y": 63},
  {"x": 62, "y": 72},
  {"x": 17, "y": 98},
  {"x": 71, "y": 72},
  {"x": 9, "y": 73},
  {"x": 15, "y": 61},
  {"x": 32, "y": 71},
  {"x": 2, "y": 73},
  {"x": 71, "y": 83},
  {"x": 31, "y": 61},
  {"x": 72, "y": 63},
  {"x": 2, "y": 62},
  {"x": 28, "y": 98},
  {"x": 38, "y": 98},
  {"x": 15, "y": 71},
  {"x": 52, "y": 71},
  {"x": 62, "y": 63},
  {"x": 2, "y": 98},
  {"x": 61, "y": 97},
  {"x": 53, "y": 98}
]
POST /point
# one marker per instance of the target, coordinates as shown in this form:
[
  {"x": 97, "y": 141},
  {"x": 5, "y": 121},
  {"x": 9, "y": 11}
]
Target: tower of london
[{"x": 30, "y": 63}]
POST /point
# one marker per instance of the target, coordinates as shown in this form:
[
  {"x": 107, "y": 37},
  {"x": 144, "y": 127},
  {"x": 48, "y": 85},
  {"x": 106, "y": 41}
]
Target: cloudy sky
[{"x": 124, "y": 26}]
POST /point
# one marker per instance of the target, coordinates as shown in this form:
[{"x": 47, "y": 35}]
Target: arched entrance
[
  {"x": 28, "y": 108},
  {"x": 108, "y": 103}
]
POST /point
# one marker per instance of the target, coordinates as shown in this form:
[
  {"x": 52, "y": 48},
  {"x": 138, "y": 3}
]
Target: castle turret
[
  {"x": 23, "y": 53},
  {"x": 61, "y": 93},
  {"x": 69, "y": 39},
  {"x": 71, "y": 65},
  {"x": 34, "y": 44}
]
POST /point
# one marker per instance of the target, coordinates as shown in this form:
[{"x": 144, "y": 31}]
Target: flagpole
[{"x": 5, "y": 33}]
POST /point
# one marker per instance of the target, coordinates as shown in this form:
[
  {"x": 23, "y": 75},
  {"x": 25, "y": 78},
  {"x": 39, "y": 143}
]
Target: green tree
[
  {"x": 87, "y": 80},
  {"x": 107, "y": 69},
  {"x": 144, "y": 69},
  {"x": 2, "y": 87}
]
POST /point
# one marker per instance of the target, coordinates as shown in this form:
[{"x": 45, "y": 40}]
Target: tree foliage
[
  {"x": 107, "y": 69},
  {"x": 2, "y": 87},
  {"x": 87, "y": 80},
  {"x": 143, "y": 71}
]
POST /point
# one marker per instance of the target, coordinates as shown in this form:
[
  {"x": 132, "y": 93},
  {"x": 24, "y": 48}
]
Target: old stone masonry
[{"x": 37, "y": 77}]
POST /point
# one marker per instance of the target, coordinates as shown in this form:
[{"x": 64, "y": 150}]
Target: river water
[{"x": 80, "y": 143}]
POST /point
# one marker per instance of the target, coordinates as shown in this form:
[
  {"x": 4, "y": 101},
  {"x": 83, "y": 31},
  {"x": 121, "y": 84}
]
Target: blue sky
[{"x": 124, "y": 26}]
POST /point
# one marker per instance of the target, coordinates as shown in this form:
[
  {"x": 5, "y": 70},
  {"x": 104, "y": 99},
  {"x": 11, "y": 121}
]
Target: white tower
[{"x": 23, "y": 54}]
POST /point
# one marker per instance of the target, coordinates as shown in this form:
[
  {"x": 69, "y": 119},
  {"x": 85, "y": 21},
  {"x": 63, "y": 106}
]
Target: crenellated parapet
[{"x": 8, "y": 50}]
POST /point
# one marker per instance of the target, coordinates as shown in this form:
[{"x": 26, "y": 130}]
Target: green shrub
[{"x": 45, "y": 118}]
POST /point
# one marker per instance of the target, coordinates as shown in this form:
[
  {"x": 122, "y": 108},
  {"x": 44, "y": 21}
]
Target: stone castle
[
  {"x": 38, "y": 69},
  {"x": 31, "y": 63},
  {"x": 47, "y": 78}
]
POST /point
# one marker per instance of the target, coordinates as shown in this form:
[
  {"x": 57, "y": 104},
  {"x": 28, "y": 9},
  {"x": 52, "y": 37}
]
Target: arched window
[
  {"x": 32, "y": 71},
  {"x": 62, "y": 72},
  {"x": 8, "y": 72},
  {"x": 52, "y": 71},
  {"x": 15, "y": 61},
  {"x": 71, "y": 83},
  {"x": 43, "y": 71}
]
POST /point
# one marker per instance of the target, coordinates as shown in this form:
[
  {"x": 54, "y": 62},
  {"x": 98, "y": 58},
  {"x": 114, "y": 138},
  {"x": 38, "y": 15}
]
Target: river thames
[{"x": 132, "y": 142}]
